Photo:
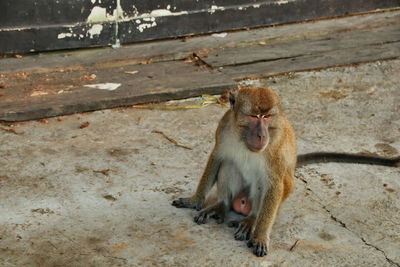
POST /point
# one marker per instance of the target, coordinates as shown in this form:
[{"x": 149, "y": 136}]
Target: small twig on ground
[
  {"x": 294, "y": 245},
  {"x": 104, "y": 172},
  {"x": 84, "y": 125},
  {"x": 171, "y": 139}
]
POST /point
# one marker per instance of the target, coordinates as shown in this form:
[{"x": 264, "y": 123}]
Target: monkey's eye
[{"x": 267, "y": 116}]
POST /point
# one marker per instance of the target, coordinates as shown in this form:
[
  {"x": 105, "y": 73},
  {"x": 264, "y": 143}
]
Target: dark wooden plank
[
  {"x": 295, "y": 48},
  {"x": 131, "y": 8},
  {"x": 45, "y": 38},
  {"x": 317, "y": 61},
  {"x": 264, "y": 13},
  {"x": 189, "y": 17},
  {"x": 33, "y": 13},
  {"x": 40, "y": 95},
  {"x": 176, "y": 49}
]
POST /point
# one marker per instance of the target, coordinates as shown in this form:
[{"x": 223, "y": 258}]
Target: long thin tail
[{"x": 320, "y": 157}]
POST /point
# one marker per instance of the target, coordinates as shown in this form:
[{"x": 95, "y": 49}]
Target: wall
[{"x": 40, "y": 25}]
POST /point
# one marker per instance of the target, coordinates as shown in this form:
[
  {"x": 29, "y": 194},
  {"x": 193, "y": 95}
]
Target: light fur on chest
[{"x": 252, "y": 165}]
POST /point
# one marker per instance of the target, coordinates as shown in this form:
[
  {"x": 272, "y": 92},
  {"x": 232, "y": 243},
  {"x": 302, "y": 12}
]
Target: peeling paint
[
  {"x": 64, "y": 35},
  {"x": 256, "y": 6},
  {"x": 104, "y": 86},
  {"x": 282, "y": 2},
  {"x": 143, "y": 26},
  {"x": 135, "y": 11},
  {"x": 220, "y": 35},
  {"x": 99, "y": 14},
  {"x": 149, "y": 19},
  {"x": 95, "y": 30},
  {"x": 215, "y": 8},
  {"x": 162, "y": 13}
]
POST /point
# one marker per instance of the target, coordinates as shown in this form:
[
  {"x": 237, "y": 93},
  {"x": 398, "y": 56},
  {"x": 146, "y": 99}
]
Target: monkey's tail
[{"x": 321, "y": 157}]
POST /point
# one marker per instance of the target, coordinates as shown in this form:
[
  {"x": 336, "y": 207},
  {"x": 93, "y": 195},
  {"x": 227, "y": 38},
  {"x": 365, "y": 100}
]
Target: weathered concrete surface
[{"x": 56, "y": 211}]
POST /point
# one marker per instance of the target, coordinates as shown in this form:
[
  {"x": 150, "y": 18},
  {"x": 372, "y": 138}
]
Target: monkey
[
  {"x": 253, "y": 164},
  {"x": 255, "y": 152}
]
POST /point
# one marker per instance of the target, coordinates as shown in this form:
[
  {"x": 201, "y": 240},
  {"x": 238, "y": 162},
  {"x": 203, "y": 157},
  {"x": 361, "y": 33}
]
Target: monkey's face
[
  {"x": 255, "y": 111},
  {"x": 255, "y": 131}
]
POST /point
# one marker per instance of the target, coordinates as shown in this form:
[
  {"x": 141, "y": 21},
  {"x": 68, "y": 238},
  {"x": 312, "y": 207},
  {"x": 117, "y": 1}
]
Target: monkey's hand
[
  {"x": 216, "y": 211},
  {"x": 244, "y": 227},
  {"x": 189, "y": 202},
  {"x": 260, "y": 246}
]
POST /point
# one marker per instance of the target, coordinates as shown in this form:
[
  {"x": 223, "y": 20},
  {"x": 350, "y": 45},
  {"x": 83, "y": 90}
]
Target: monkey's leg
[
  {"x": 216, "y": 211},
  {"x": 272, "y": 199},
  {"x": 229, "y": 183},
  {"x": 206, "y": 183}
]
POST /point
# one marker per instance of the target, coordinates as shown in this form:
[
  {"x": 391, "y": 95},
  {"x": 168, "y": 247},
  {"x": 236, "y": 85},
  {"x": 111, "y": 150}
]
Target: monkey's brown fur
[
  {"x": 255, "y": 156},
  {"x": 277, "y": 171}
]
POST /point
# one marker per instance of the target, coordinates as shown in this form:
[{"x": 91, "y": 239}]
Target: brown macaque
[
  {"x": 253, "y": 164},
  {"x": 255, "y": 152}
]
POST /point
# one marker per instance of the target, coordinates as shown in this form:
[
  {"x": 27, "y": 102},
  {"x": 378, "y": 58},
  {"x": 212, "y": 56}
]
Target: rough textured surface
[
  {"x": 152, "y": 72},
  {"x": 58, "y": 209}
]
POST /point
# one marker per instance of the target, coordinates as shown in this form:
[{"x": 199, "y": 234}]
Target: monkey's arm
[
  {"x": 266, "y": 217},
  {"x": 207, "y": 181}
]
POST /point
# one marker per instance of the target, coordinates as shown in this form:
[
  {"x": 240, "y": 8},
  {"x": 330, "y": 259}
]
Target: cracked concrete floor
[{"x": 100, "y": 195}]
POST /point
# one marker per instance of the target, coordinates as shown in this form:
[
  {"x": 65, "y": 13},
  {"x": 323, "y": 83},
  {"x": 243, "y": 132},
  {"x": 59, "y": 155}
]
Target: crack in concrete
[
  {"x": 337, "y": 220},
  {"x": 380, "y": 250}
]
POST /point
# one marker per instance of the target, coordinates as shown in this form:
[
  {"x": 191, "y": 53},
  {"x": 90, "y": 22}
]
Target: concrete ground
[{"x": 95, "y": 189}]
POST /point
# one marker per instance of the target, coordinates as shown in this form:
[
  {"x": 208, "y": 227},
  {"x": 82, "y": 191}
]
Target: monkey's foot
[
  {"x": 244, "y": 228},
  {"x": 188, "y": 202},
  {"x": 260, "y": 247},
  {"x": 216, "y": 211}
]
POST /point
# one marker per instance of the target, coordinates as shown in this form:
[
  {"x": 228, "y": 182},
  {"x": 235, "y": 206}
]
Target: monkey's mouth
[{"x": 259, "y": 146}]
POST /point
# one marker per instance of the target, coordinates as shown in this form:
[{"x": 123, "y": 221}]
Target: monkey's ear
[{"x": 232, "y": 98}]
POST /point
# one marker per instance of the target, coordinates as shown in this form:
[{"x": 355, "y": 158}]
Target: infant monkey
[{"x": 241, "y": 204}]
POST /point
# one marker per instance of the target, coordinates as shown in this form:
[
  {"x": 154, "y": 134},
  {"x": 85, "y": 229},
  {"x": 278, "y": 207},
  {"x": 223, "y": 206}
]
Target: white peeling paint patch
[
  {"x": 256, "y": 6},
  {"x": 220, "y": 35},
  {"x": 282, "y": 2},
  {"x": 64, "y": 35},
  {"x": 135, "y": 11},
  {"x": 99, "y": 14},
  {"x": 149, "y": 19},
  {"x": 93, "y": 1},
  {"x": 215, "y": 8},
  {"x": 117, "y": 44},
  {"x": 104, "y": 86},
  {"x": 143, "y": 26},
  {"x": 160, "y": 13},
  {"x": 95, "y": 30}
]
